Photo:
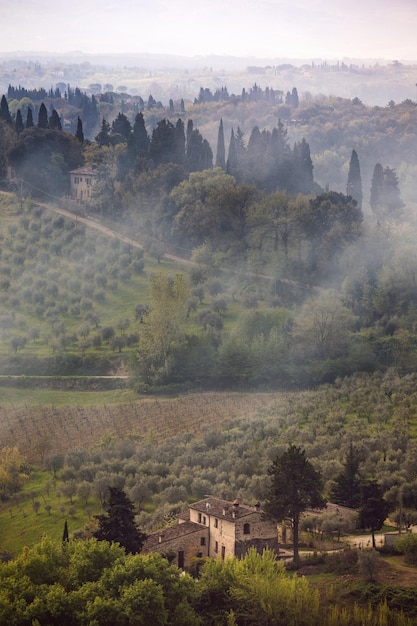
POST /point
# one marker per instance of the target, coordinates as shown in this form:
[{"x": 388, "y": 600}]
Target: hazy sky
[{"x": 262, "y": 28}]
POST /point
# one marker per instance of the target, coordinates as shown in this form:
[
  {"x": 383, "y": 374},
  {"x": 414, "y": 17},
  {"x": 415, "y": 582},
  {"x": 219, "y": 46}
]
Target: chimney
[
  {"x": 235, "y": 508},
  {"x": 257, "y": 506}
]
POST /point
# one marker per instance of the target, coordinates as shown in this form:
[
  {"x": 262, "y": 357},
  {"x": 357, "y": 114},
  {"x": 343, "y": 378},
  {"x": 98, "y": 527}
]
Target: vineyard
[{"x": 48, "y": 429}]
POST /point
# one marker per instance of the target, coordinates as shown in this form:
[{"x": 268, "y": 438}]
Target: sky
[{"x": 305, "y": 29}]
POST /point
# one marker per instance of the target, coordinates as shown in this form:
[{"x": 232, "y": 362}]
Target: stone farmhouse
[
  {"x": 82, "y": 181},
  {"x": 215, "y": 528}
]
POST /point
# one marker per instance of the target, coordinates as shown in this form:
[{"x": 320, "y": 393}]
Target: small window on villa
[
  {"x": 216, "y": 522},
  {"x": 199, "y": 518},
  {"x": 216, "y": 546},
  {"x": 75, "y": 180},
  {"x": 246, "y": 529},
  {"x": 202, "y": 541},
  {"x": 81, "y": 180},
  {"x": 204, "y": 519},
  {"x": 87, "y": 181},
  {"x": 223, "y": 552}
]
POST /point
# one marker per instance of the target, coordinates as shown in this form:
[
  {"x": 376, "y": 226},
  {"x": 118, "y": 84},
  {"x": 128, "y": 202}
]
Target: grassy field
[{"x": 22, "y": 523}]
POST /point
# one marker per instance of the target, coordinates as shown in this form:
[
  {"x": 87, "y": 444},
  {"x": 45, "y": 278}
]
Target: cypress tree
[
  {"x": 221, "y": 151},
  {"x": 180, "y": 142},
  {"x": 377, "y": 190},
  {"x": 294, "y": 98},
  {"x": 42, "y": 117},
  {"x": 19, "y": 122},
  {"x": 65, "y": 534},
  {"x": 354, "y": 181},
  {"x": 29, "y": 118},
  {"x": 303, "y": 168},
  {"x": 79, "y": 132},
  {"x": 54, "y": 121},
  {"x": 231, "y": 164},
  {"x": 139, "y": 140},
  {"x": 4, "y": 111}
]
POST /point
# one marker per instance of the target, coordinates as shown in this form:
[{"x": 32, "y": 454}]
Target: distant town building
[
  {"x": 215, "y": 528},
  {"x": 82, "y": 181}
]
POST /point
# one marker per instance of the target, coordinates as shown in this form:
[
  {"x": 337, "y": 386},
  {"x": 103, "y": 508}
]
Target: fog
[{"x": 262, "y": 29}]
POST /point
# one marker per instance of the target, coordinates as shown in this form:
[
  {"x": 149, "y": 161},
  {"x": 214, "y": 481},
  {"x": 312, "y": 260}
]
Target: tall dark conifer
[
  {"x": 29, "y": 118},
  {"x": 19, "y": 122},
  {"x": 221, "y": 151},
  {"x": 377, "y": 190},
  {"x": 180, "y": 142},
  {"x": 231, "y": 165},
  {"x": 103, "y": 138},
  {"x": 139, "y": 140},
  {"x": 4, "y": 111},
  {"x": 354, "y": 181},
  {"x": 118, "y": 525},
  {"x": 54, "y": 122},
  {"x": 303, "y": 168},
  {"x": 42, "y": 117},
  {"x": 79, "y": 132}
]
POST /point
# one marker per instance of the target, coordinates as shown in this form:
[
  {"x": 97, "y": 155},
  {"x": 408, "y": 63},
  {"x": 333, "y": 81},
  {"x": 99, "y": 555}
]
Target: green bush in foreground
[
  {"x": 95, "y": 583},
  {"x": 407, "y": 545}
]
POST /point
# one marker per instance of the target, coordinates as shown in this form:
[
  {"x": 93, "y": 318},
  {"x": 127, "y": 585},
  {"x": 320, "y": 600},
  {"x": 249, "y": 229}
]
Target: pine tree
[
  {"x": 347, "y": 486},
  {"x": 42, "y": 117},
  {"x": 373, "y": 509},
  {"x": 354, "y": 181},
  {"x": 103, "y": 138},
  {"x": 118, "y": 525},
  {"x": 79, "y": 132},
  {"x": 295, "y": 486},
  {"x": 4, "y": 111},
  {"x": 221, "y": 151},
  {"x": 29, "y": 118},
  {"x": 121, "y": 126},
  {"x": 19, "y": 122}
]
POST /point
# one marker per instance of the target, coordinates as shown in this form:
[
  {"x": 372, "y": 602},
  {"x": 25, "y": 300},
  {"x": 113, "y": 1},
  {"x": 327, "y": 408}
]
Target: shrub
[{"x": 407, "y": 546}]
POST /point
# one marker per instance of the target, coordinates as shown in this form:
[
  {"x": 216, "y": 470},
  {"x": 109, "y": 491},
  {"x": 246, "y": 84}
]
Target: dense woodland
[
  {"x": 321, "y": 273},
  {"x": 288, "y": 283}
]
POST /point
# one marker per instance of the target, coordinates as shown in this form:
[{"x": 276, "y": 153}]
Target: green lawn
[
  {"x": 16, "y": 397},
  {"x": 21, "y": 525}
]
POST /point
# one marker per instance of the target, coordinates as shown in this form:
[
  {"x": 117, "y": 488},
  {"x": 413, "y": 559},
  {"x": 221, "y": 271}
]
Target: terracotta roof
[
  {"x": 172, "y": 532},
  {"x": 222, "y": 508}
]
